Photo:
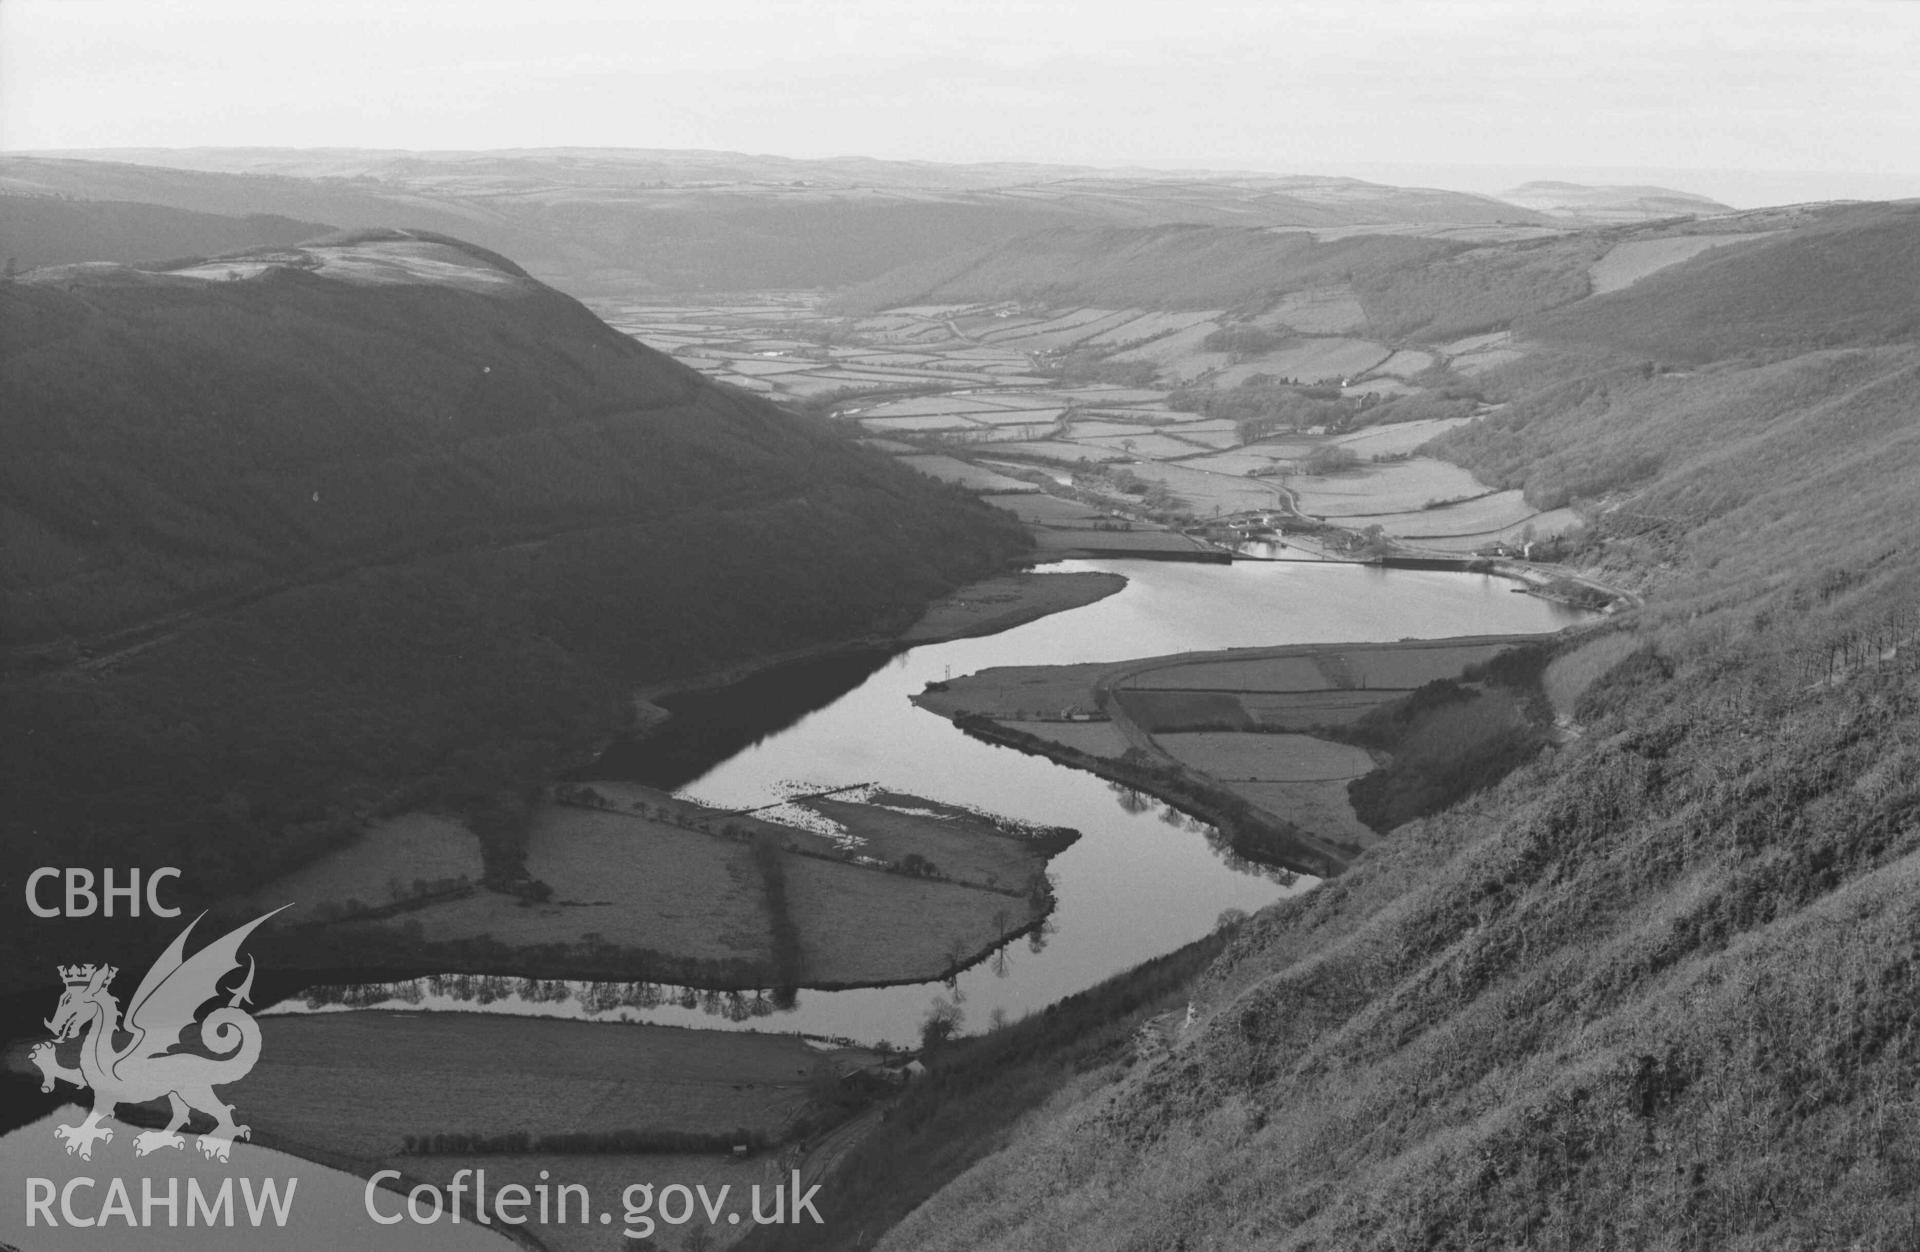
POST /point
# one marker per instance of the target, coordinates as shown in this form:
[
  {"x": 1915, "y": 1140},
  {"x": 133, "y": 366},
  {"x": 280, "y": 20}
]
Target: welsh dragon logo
[{"x": 150, "y": 1064}]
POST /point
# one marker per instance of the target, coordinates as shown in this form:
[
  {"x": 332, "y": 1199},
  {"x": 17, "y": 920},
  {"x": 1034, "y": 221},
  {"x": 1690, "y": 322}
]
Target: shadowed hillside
[{"x": 304, "y": 533}]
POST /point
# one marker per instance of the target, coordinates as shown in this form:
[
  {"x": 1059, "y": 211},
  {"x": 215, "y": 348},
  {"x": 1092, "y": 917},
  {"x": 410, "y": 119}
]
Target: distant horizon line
[{"x": 1736, "y": 188}]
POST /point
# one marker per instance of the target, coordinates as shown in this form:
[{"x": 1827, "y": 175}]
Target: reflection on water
[
  {"x": 1143, "y": 880},
  {"x": 585, "y": 999}
]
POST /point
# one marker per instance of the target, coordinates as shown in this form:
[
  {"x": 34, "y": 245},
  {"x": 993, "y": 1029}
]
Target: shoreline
[
  {"x": 1251, "y": 829},
  {"x": 956, "y": 615}
]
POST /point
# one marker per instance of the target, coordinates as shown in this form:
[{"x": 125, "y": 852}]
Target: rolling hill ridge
[{"x": 304, "y": 533}]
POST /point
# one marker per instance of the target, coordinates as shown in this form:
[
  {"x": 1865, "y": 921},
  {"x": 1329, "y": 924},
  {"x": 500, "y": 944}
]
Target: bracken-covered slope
[
  {"x": 297, "y": 532},
  {"x": 1852, "y": 278}
]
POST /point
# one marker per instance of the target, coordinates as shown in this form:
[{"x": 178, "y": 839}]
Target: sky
[{"x": 1751, "y": 101}]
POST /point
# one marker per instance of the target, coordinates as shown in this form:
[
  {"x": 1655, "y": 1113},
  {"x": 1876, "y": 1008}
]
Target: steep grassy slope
[
  {"x": 1657, "y": 988},
  {"x": 385, "y": 521},
  {"x": 42, "y": 230},
  {"x": 1853, "y": 278},
  {"x": 1794, "y": 450},
  {"x": 1656, "y": 994}
]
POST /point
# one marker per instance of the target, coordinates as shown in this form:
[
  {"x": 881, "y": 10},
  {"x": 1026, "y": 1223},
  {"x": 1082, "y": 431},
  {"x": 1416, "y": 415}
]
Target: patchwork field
[
  {"x": 630, "y": 880},
  {"x": 960, "y": 847},
  {"x": 1321, "y": 311},
  {"x": 1279, "y": 673},
  {"x": 1321, "y": 807},
  {"x": 940, "y": 385},
  {"x": 394, "y": 859},
  {"x": 1306, "y": 710},
  {"x": 1374, "y": 490},
  {"x": 358, "y": 1084},
  {"x": 863, "y": 926},
  {"x": 964, "y": 473},
  {"x": 1094, "y": 738},
  {"x": 625, "y": 869},
  {"x": 1394, "y": 440},
  {"x": 1315, "y": 360},
  {"x": 1151, "y": 446},
  {"x": 1266, "y": 757},
  {"x": 1207, "y": 493}
]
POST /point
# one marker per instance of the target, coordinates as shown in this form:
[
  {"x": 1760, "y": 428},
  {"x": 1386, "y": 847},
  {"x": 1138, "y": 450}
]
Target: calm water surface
[{"x": 1141, "y": 881}]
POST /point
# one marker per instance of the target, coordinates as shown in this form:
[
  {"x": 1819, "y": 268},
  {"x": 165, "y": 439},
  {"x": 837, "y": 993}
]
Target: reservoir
[{"x": 1142, "y": 880}]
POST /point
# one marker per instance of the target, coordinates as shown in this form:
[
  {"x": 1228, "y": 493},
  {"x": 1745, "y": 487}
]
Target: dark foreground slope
[
  {"x": 386, "y": 522},
  {"x": 1657, "y": 988}
]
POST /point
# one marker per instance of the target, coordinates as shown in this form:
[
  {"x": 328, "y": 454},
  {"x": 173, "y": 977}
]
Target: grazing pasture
[
  {"x": 965, "y": 848},
  {"x": 630, "y": 880},
  {"x": 970, "y": 476},
  {"x": 1152, "y": 447},
  {"x": 864, "y": 926},
  {"x": 1372, "y": 491},
  {"x": 358, "y": 1084},
  {"x": 1044, "y": 510},
  {"x": 1060, "y": 451},
  {"x": 1482, "y": 517},
  {"x": 1206, "y": 493},
  {"x": 1277, "y": 673},
  {"x": 1406, "y": 363},
  {"x": 1321, "y": 807},
  {"x": 1266, "y": 757},
  {"x": 1150, "y": 325},
  {"x": 1310, "y": 360},
  {"x": 1319, "y": 311},
  {"x": 930, "y": 422},
  {"x": 1207, "y": 438},
  {"x": 1306, "y": 710},
  {"x": 1094, "y": 738},
  {"x": 395, "y": 853},
  {"x": 1096, "y": 429},
  {"x": 1040, "y": 419},
  {"x": 920, "y": 406},
  {"x": 1410, "y": 667},
  {"x": 1397, "y": 438},
  {"x": 1160, "y": 712}
]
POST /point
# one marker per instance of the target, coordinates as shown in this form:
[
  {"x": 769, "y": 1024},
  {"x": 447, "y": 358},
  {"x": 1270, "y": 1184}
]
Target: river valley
[{"x": 1144, "y": 878}]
